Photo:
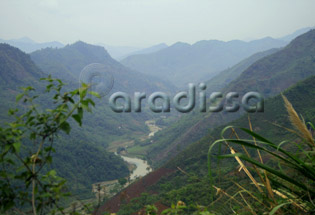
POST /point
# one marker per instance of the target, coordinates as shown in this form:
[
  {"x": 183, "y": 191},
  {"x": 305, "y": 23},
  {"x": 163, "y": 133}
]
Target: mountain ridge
[
  {"x": 269, "y": 75},
  {"x": 185, "y": 177},
  {"x": 182, "y": 63},
  {"x": 67, "y": 63},
  {"x": 95, "y": 163},
  {"x": 28, "y": 45}
]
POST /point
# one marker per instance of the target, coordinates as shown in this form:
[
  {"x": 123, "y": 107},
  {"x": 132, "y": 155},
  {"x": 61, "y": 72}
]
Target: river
[{"x": 142, "y": 167}]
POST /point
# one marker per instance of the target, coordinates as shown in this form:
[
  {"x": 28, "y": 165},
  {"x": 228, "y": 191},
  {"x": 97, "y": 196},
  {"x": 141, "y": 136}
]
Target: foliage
[
  {"x": 122, "y": 181},
  {"x": 194, "y": 187},
  {"x": 81, "y": 157},
  {"x": 27, "y": 145},
  {"x": 287, "y": 181}
]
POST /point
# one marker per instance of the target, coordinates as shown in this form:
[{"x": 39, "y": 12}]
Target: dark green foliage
[
  {"x": 81, "y": 158},
  {"x": 122, "y": 181},
  {"x": 137, "y": 204},
  {"x": 26, "y": 149}
]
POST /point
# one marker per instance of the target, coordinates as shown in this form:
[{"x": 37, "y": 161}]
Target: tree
[
  {"x": 26, "y": 184},
  {"x": 122, "y": 181}
]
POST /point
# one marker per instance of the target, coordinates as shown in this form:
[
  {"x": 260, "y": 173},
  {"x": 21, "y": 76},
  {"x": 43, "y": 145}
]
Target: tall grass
[{"x": 283, "y": 182}]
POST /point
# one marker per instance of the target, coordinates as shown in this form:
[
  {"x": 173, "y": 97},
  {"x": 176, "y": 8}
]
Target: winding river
[{"x": 142, "y": 167}]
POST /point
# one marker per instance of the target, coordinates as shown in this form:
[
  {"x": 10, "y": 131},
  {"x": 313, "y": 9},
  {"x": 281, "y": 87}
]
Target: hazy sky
[{"x": 147, "y": 22}]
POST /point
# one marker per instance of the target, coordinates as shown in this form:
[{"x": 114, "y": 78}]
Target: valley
[{"x": 100, "y": 148}]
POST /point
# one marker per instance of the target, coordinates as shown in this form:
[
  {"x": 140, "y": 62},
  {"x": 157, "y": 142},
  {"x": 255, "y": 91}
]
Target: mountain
[
  {"x": 185, "y": 177},
  {"x": 27, "y": 45},
  {"x": 66, "y": 63},
  {"x": 148, "y": 50},
  {"x": 268, "y": 76},
  {"x": 16, "y": 67},
  {"x": 182, "y": 63},
  {"x": 81, "y": 157},
  {"x": 225, "y": 77},
  {"x": 118, "y": 52},
  {"x": 121, "y": 52},
  {"x": 295, "y": 34}
]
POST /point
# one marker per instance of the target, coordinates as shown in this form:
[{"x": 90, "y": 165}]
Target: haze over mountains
[
  {"x": 67, "y": 63},
  {"x": 185, "y": 176},
  {"x": 269, "y": 75},
  {"x": 18, "y": 70},
  {"x": 180, "y": 150},
  {"x": 95, "y": 164},
  {"x": 183, "y": 63},
  {"x": 268, "y": 66},
  {"x": 121, "y": 52},
  {"x": 27, "y": 45}
]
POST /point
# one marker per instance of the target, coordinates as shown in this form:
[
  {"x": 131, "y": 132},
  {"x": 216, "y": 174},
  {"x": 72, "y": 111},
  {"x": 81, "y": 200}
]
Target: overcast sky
[{"x": 147, "y": 22}]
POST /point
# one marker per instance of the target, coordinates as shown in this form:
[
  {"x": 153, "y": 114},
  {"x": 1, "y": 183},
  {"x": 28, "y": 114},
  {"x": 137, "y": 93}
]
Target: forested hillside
[
  {"x": 269, "y": 76},
  {"x": 82, "y": 159},
  {"x": 67, "y": 63},
  {"x": 157, "y": 107},
  {"x": 185, "y": 177},
  {"x": 218, "y": 82},
  {"x": 103, "y": 126}
]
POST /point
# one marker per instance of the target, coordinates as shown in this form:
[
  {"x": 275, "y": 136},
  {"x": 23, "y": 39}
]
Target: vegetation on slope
[
  {"x": 29, "y": 184},
  {"x": 268, "y": 76},
  {"x": 81, "y": 158},
  {"x": 190, "y": 183}
]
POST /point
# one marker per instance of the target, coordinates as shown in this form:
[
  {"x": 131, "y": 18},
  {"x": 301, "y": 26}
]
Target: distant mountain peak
[
  {"x": 16, "y": 67},
  {"x": 202, "y": 42},
  {"x": 83, "y": 47},
  {"x": 182, "y": 63},
  {"x": 180, "y": 44},
  {"x": 295, "y": 34},
  {"x": 28, "y": 45},
  {"x": 79, "y": 43},
  {"x": 25, "y": 40}
]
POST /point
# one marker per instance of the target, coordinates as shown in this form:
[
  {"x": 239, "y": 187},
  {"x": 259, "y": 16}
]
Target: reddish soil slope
[{"x": 133, "y": 191}]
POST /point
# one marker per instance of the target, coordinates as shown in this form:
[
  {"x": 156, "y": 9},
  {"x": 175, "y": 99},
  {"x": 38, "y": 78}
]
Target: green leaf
[
  {"x": 80, "y": 112},
  {"x": 310, "y": 124},
  {"x": 77, "y": 118},
  {"x": 244, "y": 143},
  {"x": 18, "y": 97},
  {"x": 52, "y": 173},
  {"x": 257, "y": 136},
  {"x": 274, "y": 210},
  {"x": 95, "y": 94},
  {"x": 17, "y": 146},
  {"x": 65, "y": 127},
  {"x": 90, "y": 101},
  {"x": 33, "y": 136},
  {"x": 49, "y": 159},
  {"x": 83, "y": 92}
]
